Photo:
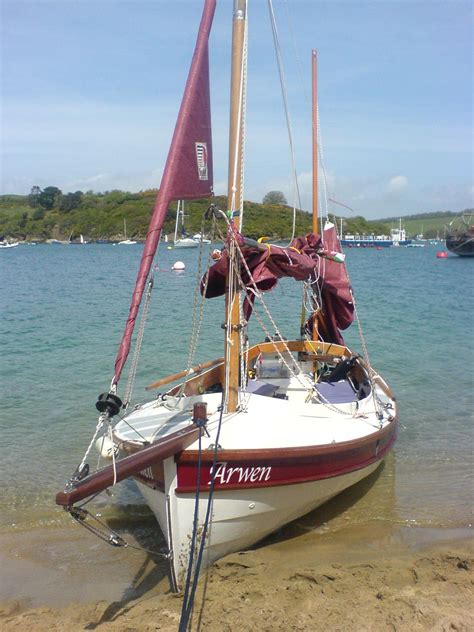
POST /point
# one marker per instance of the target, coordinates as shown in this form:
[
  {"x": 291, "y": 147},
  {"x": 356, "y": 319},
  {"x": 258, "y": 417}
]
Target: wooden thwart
[{"x": 177, "y": 376}]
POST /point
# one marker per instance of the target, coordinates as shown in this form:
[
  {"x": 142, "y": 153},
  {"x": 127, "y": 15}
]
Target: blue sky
[{"x": 91, "y": 89}]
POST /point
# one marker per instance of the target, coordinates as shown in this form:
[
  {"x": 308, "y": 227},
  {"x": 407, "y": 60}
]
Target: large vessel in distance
[{"x": 397, "y": 237}]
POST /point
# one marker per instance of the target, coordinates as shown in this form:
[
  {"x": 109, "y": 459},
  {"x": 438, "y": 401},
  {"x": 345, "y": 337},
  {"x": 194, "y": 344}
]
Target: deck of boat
[{"x": 266, "y": 422}]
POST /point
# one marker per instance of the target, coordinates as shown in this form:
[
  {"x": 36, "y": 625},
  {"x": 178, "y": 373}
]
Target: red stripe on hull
[{"x": 268, "y": 468}]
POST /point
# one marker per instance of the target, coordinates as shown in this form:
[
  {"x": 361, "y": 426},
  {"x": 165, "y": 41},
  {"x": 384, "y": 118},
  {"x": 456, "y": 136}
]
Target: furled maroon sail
[
  {"x": 308, "y": 257},
  {"x": 337, "y": 305},
  {"x": 188, "y": 171}
]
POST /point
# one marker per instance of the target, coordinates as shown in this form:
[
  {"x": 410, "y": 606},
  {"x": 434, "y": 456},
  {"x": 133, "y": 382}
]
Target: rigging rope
[
  {"x": 138, "y": 344},
  {"x": 197, "y": 318},
  {"x": 321, "y": 193},
  {"x": 276, "y": 42}
]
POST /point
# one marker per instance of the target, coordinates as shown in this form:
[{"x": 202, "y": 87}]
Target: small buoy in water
[
  {"x": 442, "y": 255},
  {"x": 179, "y": 265},
  {"x": 378, "y": 248}
]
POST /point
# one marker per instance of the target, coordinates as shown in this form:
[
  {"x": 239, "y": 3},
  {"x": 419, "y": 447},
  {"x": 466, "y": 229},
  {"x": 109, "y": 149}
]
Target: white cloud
[{"x": 397, "y": 183}]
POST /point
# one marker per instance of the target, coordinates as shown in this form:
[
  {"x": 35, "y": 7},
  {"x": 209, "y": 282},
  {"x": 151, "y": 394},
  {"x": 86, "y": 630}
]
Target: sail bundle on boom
[{"x": 308, "y": 258}]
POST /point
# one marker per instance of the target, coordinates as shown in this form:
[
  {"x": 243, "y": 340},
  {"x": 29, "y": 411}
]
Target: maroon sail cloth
[
  {"x": 188, "y": 172},
  {"x": 266, "y": 267},
  {"x": 301, "y": 261},
  {"x": 333, "y": 281}
]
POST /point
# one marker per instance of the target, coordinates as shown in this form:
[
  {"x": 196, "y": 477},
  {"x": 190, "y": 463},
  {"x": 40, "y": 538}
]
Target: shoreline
[{"x": 367, "y": 577}]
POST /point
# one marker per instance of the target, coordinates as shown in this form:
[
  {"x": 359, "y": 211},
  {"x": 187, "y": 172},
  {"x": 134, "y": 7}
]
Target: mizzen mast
[
  {"x": 236, "y": 132},
  {"x": 314, "y": 92}
]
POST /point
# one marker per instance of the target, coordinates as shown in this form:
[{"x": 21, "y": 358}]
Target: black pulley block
[{"x": 109, "y": 403}]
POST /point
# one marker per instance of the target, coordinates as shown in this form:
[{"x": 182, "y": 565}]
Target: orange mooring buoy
[{"x": 441, "y": 255}]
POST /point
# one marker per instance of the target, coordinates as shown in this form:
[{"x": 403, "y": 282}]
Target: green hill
[
  {"x": 48, "y": 213},
  {"x": 429, "y": 225}
]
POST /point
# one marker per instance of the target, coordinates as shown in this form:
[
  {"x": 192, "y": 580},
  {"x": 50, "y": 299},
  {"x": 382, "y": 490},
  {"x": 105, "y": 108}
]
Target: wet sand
[{"x": 369, "y": 577}]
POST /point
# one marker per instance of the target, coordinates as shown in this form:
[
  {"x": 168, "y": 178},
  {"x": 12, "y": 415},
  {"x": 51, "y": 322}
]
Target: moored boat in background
[
  {"x": 460, "y": 236},
  {"x": 397, "y": 237}
]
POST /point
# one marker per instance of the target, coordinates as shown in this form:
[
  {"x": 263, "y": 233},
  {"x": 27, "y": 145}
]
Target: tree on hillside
[
  {"x": 274, "y": 197},
  {"x": 48, "y": 197},
  {"x": 33, "y": 198},
  {"x": 38, "y": 214},
  {"x": 70, "y": 201}
]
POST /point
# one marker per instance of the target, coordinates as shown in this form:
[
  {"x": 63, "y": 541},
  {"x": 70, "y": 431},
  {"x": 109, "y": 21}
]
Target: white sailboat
[
  {"x": 126, "y": 241},
  {"x": 183, "y": 241},
  {"x": 240, "y": 445}
]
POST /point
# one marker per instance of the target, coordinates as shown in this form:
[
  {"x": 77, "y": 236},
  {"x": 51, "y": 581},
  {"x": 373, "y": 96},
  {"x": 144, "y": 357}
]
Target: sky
[{"x": 90, "y": 92}]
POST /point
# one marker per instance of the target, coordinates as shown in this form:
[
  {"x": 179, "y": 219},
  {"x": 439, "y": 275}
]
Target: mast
[
  {"x": 232, "y": 336},
  {"x": 314, "y": 74},
  {"x": 178, "y": 206}
]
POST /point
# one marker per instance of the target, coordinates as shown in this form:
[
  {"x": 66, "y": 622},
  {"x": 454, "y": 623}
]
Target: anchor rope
[
  {"x": 186, "y": 601},
  {"x": 188, "y": 605},
  {"x": 105, "y": 533}
]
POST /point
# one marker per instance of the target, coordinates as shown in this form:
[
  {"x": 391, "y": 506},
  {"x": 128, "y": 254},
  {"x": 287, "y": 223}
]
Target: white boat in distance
[
  {"x": 126, "y": 241},
  {"x": 237, "y": 446},
  {"x": 183, "y": 241},
  {"x": 6, "y": 244}
]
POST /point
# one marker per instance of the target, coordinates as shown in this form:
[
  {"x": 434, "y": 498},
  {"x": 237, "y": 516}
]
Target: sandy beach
[{"x": 365, "y": 578}]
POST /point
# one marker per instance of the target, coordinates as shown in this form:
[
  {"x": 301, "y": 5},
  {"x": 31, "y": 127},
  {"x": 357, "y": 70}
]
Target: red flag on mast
[{"x": 188, "y": 171}]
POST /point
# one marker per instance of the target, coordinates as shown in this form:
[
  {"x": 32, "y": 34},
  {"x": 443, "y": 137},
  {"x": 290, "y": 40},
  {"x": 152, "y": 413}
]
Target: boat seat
[
  {"x": 336, "y": 392},
  {"x": 259, "y": 387}
]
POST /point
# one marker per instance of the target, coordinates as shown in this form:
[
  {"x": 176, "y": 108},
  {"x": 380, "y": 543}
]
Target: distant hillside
[
  {"x": 429, "y": 225},
  {"x": 48, "y": 213}
]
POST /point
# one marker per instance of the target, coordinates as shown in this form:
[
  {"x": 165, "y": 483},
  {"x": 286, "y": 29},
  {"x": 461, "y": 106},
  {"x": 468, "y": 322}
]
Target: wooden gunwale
[
  {"x": 297, "y": 452},
  {"x": 205, "y": 374},
  {"x": 291, "y": 466}
]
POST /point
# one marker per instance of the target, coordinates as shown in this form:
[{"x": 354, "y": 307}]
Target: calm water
[{"x": 63, "y": 310}]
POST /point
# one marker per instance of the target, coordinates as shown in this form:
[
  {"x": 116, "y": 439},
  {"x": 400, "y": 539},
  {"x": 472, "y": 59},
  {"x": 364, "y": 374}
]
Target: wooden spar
[
  {"x": 314, "y": 75},
  {"x": 177, "y": 376},
  {"x": 129, "y": 466},
  {"x": 232, "y": 334},
  {"x": 314, "y": 68}
]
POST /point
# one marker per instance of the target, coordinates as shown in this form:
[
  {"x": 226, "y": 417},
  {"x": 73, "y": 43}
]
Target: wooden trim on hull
[{"x": 250, "y": 469}]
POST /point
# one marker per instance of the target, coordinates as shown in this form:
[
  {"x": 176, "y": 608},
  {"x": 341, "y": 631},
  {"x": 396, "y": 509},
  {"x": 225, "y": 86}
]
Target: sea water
[{"x": 63, "y": 309}]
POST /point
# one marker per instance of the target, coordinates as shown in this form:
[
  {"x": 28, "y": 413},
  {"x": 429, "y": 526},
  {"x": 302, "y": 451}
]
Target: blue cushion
[
  {"x": 336, "y": 392},
  {"x": 261, "y": 388}
]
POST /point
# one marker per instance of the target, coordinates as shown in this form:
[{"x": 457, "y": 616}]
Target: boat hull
[
  {"x": 240, "y": 517},
  {"x": 463, "y": 245},
  {"x": 373, "y": 243},
  {"x": 185, "y": 243}
]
